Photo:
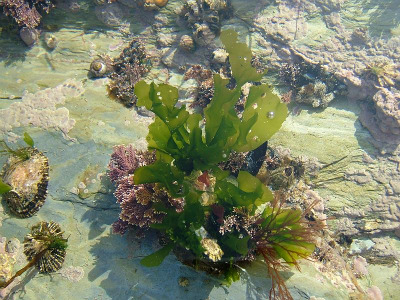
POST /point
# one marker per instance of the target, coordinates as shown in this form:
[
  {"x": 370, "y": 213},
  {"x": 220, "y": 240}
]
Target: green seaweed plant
[
  {"x": 189, "y": 147},
  {"x": 23, "y": 152}
]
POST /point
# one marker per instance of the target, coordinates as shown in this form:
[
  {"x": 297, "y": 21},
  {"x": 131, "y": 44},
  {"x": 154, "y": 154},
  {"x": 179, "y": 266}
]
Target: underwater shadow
[
  {"x": 258, "y": 282},
  {"x": 12, "y": 49},
  {"x": 119, "y": 273},
  {"x": 364, "y": 138},
  {"x": 104, "y": 210},
  {"x": 18, "y": 290}
]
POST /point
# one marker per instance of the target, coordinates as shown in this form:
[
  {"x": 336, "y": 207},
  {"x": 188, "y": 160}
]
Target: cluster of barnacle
[
  {"x": 279, "y": 170},
  {"x": 204, "y": 17},
  {"x": 124, "y": 71},
  {"x": 205, "y": 82},
  {"x": 385, "y": 73},
  {"x": 136, "y": 201},
  {"x": 314, "y": 94},
  {"x": 236, "y": 161},
  {"x": 310, "y": 84},
  {"x": 26, "y": 12},
  {"x": 291, "y": 74}
]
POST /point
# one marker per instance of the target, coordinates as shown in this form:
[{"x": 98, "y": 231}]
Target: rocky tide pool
[{"x": 280, "y": 185}]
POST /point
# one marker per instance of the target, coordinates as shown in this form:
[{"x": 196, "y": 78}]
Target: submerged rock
[
  {"x": 383, "y": 119},
  {"x": 30, "y": 36},
  {"x": 111, "y": 14}
]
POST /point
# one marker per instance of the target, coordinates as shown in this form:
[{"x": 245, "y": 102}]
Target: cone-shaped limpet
[{"x": 28, "y": 179}]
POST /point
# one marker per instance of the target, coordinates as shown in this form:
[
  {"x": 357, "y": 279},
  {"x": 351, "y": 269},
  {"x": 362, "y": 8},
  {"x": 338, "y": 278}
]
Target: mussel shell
[
  {"x": 28, "y": 179},
  {"x": 53, "y": 259}
]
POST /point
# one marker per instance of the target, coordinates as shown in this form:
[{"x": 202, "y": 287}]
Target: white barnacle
[{"x": 212, "y": 249}]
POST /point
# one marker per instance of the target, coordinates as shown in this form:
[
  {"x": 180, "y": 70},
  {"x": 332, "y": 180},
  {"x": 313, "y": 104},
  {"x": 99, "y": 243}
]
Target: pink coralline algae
[
  {"x": 136, "y": 201},
  {"x": 25, "y": 12},
  {"x": 125, "y": 160},
  {"x": 22, "y": 13}
]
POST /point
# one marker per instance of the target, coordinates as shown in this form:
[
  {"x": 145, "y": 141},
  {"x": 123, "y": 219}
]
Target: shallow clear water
[{"x": 351, "y": 48}]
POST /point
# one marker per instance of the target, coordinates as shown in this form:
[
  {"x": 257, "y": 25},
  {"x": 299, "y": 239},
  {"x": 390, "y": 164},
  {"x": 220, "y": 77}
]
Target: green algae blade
[
  {"x": 262, "y": 118},
  {"x": 28, "y": 140},
  {"x": 239, "y": 245},
  {"x": 155, "y": 259},
  {"x": 4, "y": 187},
  {"x": 231, "y": 275},
  {"x": 240, "y": 57}
]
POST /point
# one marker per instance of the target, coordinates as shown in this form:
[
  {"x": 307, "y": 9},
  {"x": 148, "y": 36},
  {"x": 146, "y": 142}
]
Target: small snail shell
[
  {"x": 101, "y": 67},
  {"x": 50, "y": 41}
]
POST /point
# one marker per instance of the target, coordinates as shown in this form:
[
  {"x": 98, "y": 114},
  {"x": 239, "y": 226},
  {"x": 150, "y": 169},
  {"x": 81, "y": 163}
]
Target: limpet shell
[
  {"x": 28, "y": 179},
  {"x": 37, "y": 241}
]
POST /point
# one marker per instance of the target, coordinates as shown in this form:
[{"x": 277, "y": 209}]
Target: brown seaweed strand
[
  {"x": 24, "y": 269},
  {"x": 278, "y": 289},
  {"x": 265, "y": 243}
]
